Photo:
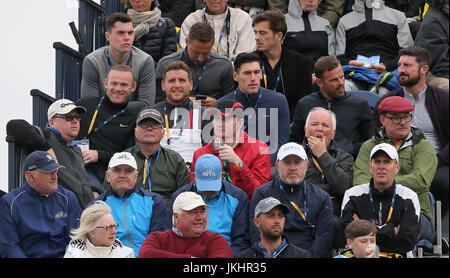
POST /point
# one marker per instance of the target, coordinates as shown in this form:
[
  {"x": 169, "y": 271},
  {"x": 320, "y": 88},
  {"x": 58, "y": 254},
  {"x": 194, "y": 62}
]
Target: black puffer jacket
[
  {"x": 289, "y": 251},
  {"x": 156, "y": 44},
  {"x": 177, "y": 10},
  {"x": 160, "y": 41}
]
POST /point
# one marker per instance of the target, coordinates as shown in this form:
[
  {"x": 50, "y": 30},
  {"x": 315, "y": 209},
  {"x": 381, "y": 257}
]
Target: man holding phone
[
  {"x": 212, "y": 73},
  {"x": 182, "y": 115}
]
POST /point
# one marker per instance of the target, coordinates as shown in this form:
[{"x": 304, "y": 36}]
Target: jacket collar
[
  {"x": 413, "y": 137},
  {"x": 127, "y": 193},
  {"x": 371, "y": 4},
  {"x": 296, "y": 11},
  {"x": 384, "y": 193},
  {"x": 59, "y": 136}
]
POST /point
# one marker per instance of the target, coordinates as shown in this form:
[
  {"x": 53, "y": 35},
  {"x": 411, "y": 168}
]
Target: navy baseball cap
[
  {"x": 42, "y": 161},
  {"x": 208, "y": 173}
]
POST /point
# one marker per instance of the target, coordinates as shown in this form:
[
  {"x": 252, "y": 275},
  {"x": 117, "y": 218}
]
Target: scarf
[{"x": 144, "y": 21}]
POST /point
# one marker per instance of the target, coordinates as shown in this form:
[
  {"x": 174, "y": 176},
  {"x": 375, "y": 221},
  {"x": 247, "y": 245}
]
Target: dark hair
[
  {"x": 202, "y": 32},
  {"x": 277, "y": 20},
  {"x": 112, "y": 19},
  {"x": 326, "y": 63},
  {"x": 245, "y": 57},
  {"x": 360, "y": 227},
  {"x": 177, "y": 65},
  {"x": 421, "y": 54}
]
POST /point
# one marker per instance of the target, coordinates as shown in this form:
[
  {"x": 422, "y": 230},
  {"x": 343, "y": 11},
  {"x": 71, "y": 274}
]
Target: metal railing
[
  {"x": 41, "y": 103},
  {"x": 68, "y": 72},
  {"x": 91, "y": 22},
  {"x": 111, "y": 6},
  {"x": 16, "y": 152}
]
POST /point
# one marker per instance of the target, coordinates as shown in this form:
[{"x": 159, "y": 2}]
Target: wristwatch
[{"x": 239, "y": 166}]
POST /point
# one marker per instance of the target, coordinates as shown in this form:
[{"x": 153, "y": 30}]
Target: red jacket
[
  {"x": 168, "y": 244},
  {"x": 256, "y": 158}
]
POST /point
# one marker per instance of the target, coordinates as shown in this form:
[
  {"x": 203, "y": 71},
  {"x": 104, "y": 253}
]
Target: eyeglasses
[
  {"x": 398, "y": 119},
  {"x": 109, "y": 227},
  {"x": 69, "y": 118},
  {"x": 147, "y": 124}
]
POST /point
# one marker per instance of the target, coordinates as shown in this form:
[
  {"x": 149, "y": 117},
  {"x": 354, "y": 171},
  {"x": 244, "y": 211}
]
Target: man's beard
[
  {"x": 409, "y": 82},
  {"x": 271, "y": 236}
]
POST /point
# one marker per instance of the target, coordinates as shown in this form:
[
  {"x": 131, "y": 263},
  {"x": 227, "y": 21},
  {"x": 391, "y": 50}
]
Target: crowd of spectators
[{"x": 226, "y": 128}]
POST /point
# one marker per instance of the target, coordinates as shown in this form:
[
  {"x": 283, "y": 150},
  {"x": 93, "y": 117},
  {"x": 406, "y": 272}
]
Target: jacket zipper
[{"x": 126, "y": 224}]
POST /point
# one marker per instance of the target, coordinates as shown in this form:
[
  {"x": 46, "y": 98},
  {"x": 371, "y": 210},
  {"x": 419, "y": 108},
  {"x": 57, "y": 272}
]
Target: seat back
[{"x": 371, "y": 98}]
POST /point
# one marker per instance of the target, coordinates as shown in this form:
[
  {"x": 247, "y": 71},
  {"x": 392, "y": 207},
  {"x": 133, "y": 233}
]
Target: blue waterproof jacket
[
  {"x": 35, "y": 226},
  {"x": 139, "y": 213},
  {"x": 227, "y": 215},
  {"x": 316, "y": 233},
  {"x": 370, "y": 76}
]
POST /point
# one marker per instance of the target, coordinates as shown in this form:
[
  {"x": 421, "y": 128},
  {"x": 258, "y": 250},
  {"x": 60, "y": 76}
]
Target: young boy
[{"x": 361, "y": 240}]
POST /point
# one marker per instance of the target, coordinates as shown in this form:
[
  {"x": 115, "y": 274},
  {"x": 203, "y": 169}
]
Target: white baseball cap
[
  {"x": 188, "y": 201},
  {"x": 387, "y": 148},
  {"x": 63, "y": 106},
  {"x": 291, "y": 148},
  {"x": 122, "y": 158}
]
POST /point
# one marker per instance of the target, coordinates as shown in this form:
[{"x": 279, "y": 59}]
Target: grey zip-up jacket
[
  {"x": 96, "y": 67},
  {"x": 372, "y": 29},
  {"x": 310, "y": 35}
]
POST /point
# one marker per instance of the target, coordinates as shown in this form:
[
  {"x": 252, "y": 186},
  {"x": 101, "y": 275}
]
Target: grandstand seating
[
  {"x": 433, "y": 249},
  {"x": 68, "y": 80},
  {"x": 91, "y": 18}
]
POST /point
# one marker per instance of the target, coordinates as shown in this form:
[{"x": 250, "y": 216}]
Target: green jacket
[
  {"x": 168, "y": 171},
  {"x": 331, "y": 10},
  {"x": 418, "y": 163}
]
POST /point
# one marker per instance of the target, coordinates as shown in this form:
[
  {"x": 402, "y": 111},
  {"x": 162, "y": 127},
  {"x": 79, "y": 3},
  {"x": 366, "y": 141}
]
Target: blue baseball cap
[
  {"x": 42, "y": 161},
  {"x": 208, "y": 173}
]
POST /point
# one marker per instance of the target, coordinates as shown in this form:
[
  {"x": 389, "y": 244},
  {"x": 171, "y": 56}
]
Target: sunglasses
[
  {"x": 148, "y": 124},
  {"x": 69, "y": 118},
  {"x": 109, "y": 227}
]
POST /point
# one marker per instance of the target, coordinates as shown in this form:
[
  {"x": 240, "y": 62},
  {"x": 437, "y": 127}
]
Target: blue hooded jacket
[
  {"x": 36, "y": 226},
  {"x": 316, "y": 233},
  {"x": 138, "y": 214}
]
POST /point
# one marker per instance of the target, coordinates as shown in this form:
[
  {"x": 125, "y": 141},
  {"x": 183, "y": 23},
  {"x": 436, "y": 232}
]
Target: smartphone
[{"x": 200, "y": 97}]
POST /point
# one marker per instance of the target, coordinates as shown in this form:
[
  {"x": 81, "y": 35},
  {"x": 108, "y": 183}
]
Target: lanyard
[
  {"x": 225, "y": 27},
  {"x": 254, "y": 107},
  {"x": 398, "y": 144},
  {"x": 166, "y": 119},
  {"x": 108, "y": 59},
  {"x": 265, "y": 76},
  {"x": 106, "y": 121},
  {"x": 304, "y": 214},
  {"x": 320, "y": 169},
  {"x": 147, "y": 164},
  {"x": 200, "y": 76},
  {"x": 391, "y": 209}
]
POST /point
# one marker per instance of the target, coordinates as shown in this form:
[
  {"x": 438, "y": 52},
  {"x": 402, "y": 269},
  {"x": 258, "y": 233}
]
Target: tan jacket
[{"x": 240, "y": 39}]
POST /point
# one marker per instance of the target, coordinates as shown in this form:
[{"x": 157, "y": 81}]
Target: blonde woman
[{"x": 96, "y": 236}]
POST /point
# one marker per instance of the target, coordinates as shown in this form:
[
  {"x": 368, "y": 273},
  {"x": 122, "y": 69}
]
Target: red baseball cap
[{"x": 228, "y": 107}]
